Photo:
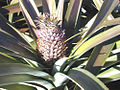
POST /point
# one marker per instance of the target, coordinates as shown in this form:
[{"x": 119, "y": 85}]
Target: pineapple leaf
[
  {"x": 100, "y": 52},
  {"x": 13, "y": 8},
  {"x": 70, "y": 17},
  {"x": 11, "y": 14},
  {"x": 17, "y": 73},
  {"x": 38, "y": 84},
  {"x": 81, "y": 77},
  {"x": 112, "y": 22},
  {"x": 16, "y": 8},
  {"x": 105, "y": 10},
  {"x": 96, "y": 40},
  {"x": 102, "y": 15},
  {"x": 59, "y": 11},
  {"x": 31, "y": 8},
  {"x": 59, "y": 64},
  {"x": 4, "y": 58},
  {"x": 49, "y": 6},
  {"x": 71, "y": 62},
  {"x": 22, "y": 69},
  {"x": 110, "y": 61},
  {"x": 6, "y": 36},
  {"x": 98, "y": 57},
  {"x": 15, "y": 79},
  {"x": 118, "y": 44},
  {"x": 29, "y": 19},
  {"x": 110, "y": 19},
  {"x": 17, "y": 49},
  {"x": 23, "y": 86},
  {"x": 7, "y": 52},
  {"x": 64, "y": 64},
  {"x": 110, "y": 74},
  {"x": 59, "y": 79},
  {"x": 43, "y": 83},
  {"x": 45, "y": 6},
  {"x": 98, "y": 3},
  {"x": 6, "y": 26}
]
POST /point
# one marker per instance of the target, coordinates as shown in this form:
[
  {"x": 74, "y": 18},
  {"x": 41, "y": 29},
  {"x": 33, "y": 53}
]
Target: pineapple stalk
[{"x": 51, "y": 37}]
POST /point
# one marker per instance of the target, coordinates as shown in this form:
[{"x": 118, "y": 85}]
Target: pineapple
[{"x": 51, "y": 37}]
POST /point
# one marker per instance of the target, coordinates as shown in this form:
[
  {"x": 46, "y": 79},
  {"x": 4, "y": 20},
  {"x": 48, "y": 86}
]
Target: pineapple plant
[{"x": 83, "y": 58}]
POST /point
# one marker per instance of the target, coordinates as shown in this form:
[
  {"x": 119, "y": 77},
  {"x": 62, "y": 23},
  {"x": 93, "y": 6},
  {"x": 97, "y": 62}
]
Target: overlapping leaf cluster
[{"x": 91, "y": 63}]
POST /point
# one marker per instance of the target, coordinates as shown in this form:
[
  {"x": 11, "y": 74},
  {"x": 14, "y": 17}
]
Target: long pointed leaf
[
  {"x": 114, "y": 21},
  {"x": 14, "y": 79},
  {"x": 11, "y": 14},
  {"x": 85, "y": 79},
  {"x": 15, "y": 45},
  {"x": 49, "y": 6},
  {"x": 110, "y": 74},
  {"x": 60, "y": 9},
  {"x": 98, "y": 57},
  {"x": 4, "y": 58},
  {"x": 17, "y": 49},
  {"x": 28, "y": 18},
  {"x": 31, "y": 8},
  {"x": 14, "y": 54},
  {"x": 70, "y": 17},
  {"x": 17, "y": 68},
  {"x": 18, "y": 87},
  {"x": 82, "y": 78},
  {"x": 43, "y": 83},
  {"x": 96, "y": 40},
  {"x": 16, "y": 8},
  {"x": 101, "y": 52},
  {"x": 105, "y": 10},
  {"x": 6, "y": 26}
]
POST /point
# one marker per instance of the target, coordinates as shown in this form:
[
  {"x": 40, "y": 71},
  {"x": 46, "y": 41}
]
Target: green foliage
[{"x": 22, "y": 68}]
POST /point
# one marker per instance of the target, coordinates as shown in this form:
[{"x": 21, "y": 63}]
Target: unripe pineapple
[{"x": 51, "y": 37}]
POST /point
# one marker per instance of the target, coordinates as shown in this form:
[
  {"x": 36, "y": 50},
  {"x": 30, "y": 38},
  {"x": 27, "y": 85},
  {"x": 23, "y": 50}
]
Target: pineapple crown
[
  {"x": 50, "y": 22},
  {"x": 47, "y": 20}
]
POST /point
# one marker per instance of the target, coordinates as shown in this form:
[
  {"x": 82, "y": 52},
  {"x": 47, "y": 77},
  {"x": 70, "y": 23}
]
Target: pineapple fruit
[{"x": 51, "y": 38}]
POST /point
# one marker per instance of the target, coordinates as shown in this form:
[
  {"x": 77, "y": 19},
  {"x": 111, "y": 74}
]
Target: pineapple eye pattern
[{"x": 51, "y": 37}]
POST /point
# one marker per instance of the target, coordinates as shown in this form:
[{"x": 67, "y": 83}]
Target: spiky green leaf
[
  {"x": 96, "y": 40},
  {"x": 85, "y": 80}
]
